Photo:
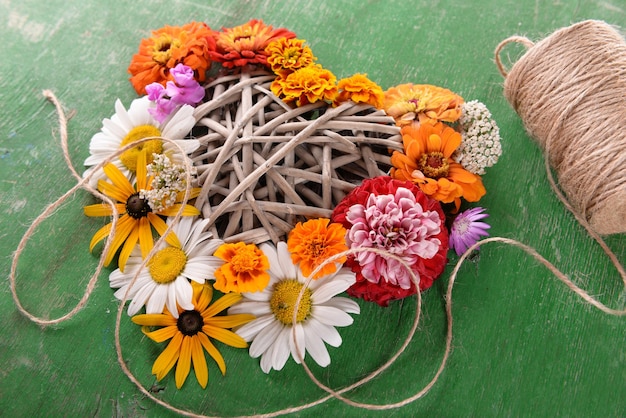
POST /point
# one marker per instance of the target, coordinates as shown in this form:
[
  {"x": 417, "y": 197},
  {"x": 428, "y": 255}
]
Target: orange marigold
[
  {"x": 245, "y": 269},
  {"x": 427, "y": 162},
  {"x": 409, "y": 103},
  {"x": 284, "y": 56},
  {"x": 171, "y": 45},
  {"x": 306, "y": 85},
  {"x": 245, "y": 44},
  {"x": 360, "y": 89},
  {"x": 314, "y": 241}
]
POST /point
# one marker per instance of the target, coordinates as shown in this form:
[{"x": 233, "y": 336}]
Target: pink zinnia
[
  {"x": 396, "y": 223},
  {"x": 467, "y": 229}
]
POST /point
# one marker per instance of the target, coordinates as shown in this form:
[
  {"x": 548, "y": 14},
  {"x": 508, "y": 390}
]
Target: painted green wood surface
[{"x": 524, "y": 345}]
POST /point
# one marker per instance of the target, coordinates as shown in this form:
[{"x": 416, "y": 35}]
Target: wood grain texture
[{"x": 524, "y": 345}]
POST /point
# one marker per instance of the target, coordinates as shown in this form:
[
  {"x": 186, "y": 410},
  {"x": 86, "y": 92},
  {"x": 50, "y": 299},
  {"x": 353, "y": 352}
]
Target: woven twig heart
[{"x": 264, "y": 165}]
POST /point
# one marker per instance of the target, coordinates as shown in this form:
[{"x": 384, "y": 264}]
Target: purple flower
[
  {"x": 183, "y": 90},
  {"x": 467, "y": 229},
  {"x": 395, "y": 223}
]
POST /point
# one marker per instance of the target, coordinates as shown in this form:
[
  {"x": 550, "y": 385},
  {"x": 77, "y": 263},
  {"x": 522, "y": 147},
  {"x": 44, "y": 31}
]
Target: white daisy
[
  {"x": 319, "y": 312},
  {"x": 127, "y": 126},
  {"x": 164, "y": 281}
]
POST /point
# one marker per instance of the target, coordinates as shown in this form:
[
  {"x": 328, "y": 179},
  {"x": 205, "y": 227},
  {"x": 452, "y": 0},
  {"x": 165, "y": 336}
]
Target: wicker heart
[{"x": 263, "y": 165}]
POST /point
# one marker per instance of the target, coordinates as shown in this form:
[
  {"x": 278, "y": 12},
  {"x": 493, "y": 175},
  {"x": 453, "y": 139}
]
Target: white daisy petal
[
  {"x": 331, "y": 316},
  {"x": 280, "y": 349},
  {"x": 184, "y": 293},
  {"x": 301, "y": 343},
  {"x": 316, "y": 348},
  {"x": 140, "y": 298},
  {"x": 332, "y": 287},
  {"x": 264, "y": 338},
  {"x": 180, "y": 123},
  {"x": 326, "y": 332},
  {"x": 345, "y": 304},
  {"x": 250, "y": 330},
  {"x": 156, "y": 302}
]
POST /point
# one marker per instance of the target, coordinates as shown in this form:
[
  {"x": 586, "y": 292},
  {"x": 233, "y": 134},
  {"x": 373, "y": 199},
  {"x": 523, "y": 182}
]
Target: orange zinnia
[
  {"x": 306, "y": 85},
  {"x": 245, "y": 269},
  {"x": 167, "y": 47},
  {"x": 360, "y": 89},
  {"x": 314, "y": 241},
  {"x": 409, "y": 103},
  {"x": 284, "y": 56},
  {"x": 426, "y": 162},
  {"x": 245, "y": 44}
]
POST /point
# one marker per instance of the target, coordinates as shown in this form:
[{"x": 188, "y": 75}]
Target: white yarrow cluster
[
  {"x": 169, "y": 179},
  {"x": 480, "y": 145}
]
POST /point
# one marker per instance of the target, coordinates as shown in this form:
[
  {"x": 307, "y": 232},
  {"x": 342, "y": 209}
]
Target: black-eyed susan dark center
[
  {"x": 136, "y": 207},
  {"x": 190, "y": 323},
  {"x": 283, "y": 301},
  {"x": 155, "y": 146}
]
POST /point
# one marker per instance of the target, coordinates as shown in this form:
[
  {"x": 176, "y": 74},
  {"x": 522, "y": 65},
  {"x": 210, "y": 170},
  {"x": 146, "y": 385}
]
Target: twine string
[{"x": 512, "y": 39}]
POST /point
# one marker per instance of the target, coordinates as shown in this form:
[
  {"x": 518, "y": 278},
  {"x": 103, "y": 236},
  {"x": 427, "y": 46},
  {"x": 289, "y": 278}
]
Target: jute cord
[
  {"x": 570, "y": 91},
  {"x": 83, "y": 183}
]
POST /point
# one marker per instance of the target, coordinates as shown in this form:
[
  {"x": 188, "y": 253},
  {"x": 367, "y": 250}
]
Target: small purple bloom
[
  {"x": 184, "y": 76},
  {"x": 183, "y": 90},
  {"x": 467, "y": 229}
]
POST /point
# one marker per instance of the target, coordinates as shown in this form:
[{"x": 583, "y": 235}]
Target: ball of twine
[
  {"x": 570, "y": 91},
  {"x": 264, "y": 165}
]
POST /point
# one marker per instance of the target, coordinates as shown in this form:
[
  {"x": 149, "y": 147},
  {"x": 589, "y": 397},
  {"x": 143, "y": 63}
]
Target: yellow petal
[
  {"x": 119, "y": 180},
  {"x": 184, "y": 359},
  {"x": 199, "y": 362},
  {"x": 113, "y": 191},
  {"x": 127, "y": 249},
  {"x": 195, "y": 192},
  {"x": 101, "y": 234},
  {"x": 166, "y": 360},
  {"x": 163, "y": 334},
  {"x": 145, "y": 236},
  {"x": 173, "y": 210},
  {"x": 229, "y": 321},
  {"x": 213, "y": 352},
  {"x": 203, "y": 293},
  {"x": 226, "y": 336},
  {"x": 160, "y": 226},
  {"x": 155, "y": 320},
  {"x": 222, "y": 303},
  {"x": 102, "y": 209},
  {"x": 125, "y": 225},
  {"x": 142, "y": 170}
]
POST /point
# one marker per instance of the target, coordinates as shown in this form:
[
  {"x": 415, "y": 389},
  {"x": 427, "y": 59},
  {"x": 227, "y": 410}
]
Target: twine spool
[{"x": 570, "y": 91}]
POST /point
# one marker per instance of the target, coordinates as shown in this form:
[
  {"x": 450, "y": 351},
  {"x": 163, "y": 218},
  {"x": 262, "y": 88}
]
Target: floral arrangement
[{"x": 429, "y": 164}]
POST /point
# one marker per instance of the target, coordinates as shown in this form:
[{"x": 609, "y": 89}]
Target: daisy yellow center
[
  {"x": 167, "y": 264},
  {"x": 434, "y": 165},
  {"x": 190, "y": 323},
  {"x": 163, "y": 45},
  {"x": 283, "y": 301},
  {"x": 155, "y": 146}
]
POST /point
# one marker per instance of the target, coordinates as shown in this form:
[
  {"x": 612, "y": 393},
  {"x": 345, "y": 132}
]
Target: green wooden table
[{"x": 524, "y": 345}]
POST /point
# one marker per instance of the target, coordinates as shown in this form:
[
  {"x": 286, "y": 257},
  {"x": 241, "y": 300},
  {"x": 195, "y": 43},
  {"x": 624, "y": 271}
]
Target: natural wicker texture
[{"x": 264, "y": 165}]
